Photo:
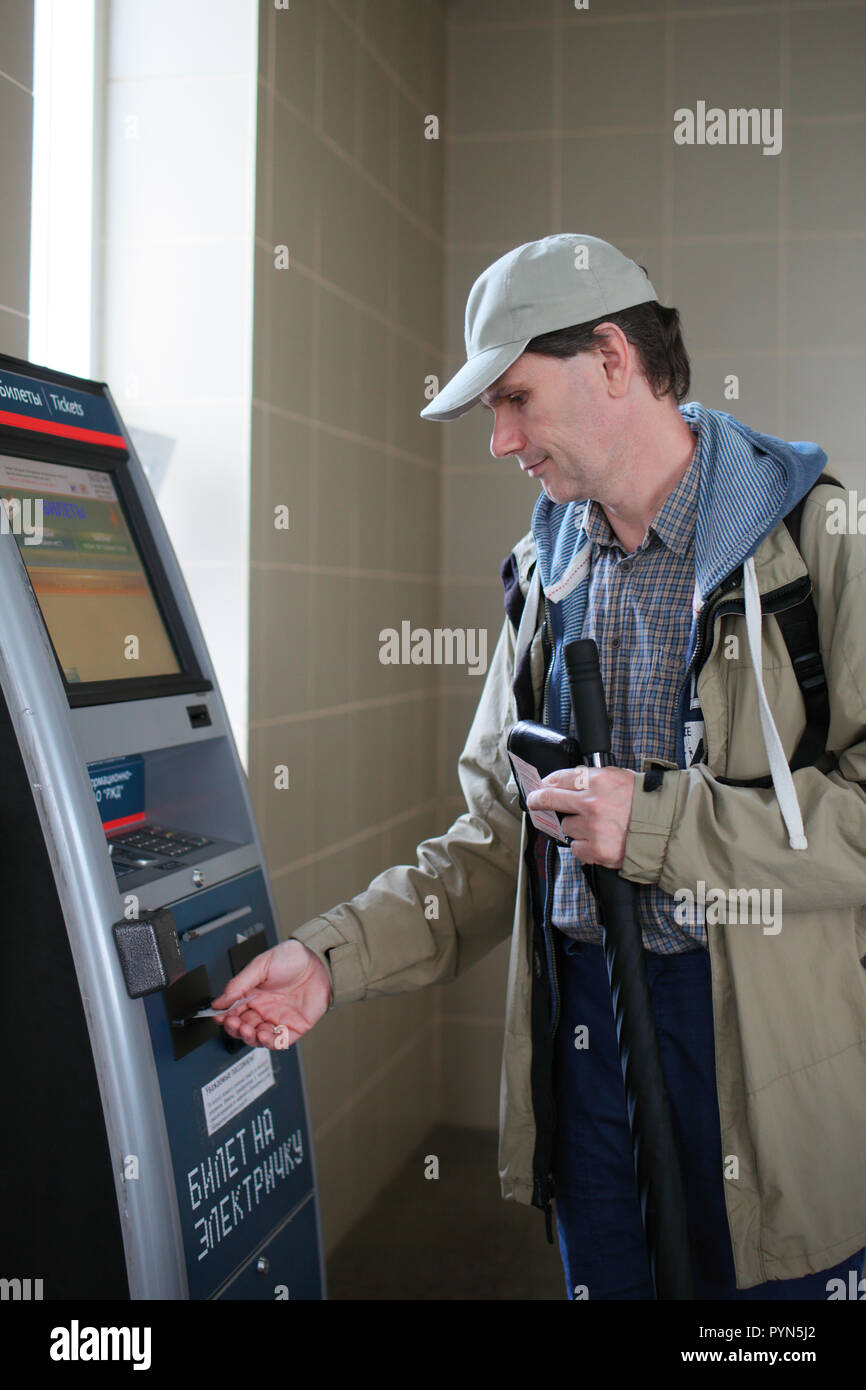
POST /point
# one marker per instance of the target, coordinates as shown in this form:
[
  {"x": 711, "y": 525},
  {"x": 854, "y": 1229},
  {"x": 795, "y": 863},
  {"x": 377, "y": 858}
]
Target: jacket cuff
[
  {"x": 650, "y": 826},
  {"x": 339, "y": 957}
]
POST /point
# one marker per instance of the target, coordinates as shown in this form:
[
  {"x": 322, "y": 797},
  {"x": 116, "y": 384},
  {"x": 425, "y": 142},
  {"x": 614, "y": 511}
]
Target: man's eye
[{"x": 517, "y": 397}]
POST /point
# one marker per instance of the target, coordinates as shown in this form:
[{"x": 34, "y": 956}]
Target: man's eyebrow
[{"x": 510, "y": 390}]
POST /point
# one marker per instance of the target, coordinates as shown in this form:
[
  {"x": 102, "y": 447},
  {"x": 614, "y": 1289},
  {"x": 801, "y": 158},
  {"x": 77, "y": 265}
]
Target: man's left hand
[{"x": 598, "y": 818}]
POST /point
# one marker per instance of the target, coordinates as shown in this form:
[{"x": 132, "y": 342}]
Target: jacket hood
[{"x": 748, "y": 482}]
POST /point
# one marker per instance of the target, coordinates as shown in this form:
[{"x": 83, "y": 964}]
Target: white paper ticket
[{"x": 546, "y": 821}]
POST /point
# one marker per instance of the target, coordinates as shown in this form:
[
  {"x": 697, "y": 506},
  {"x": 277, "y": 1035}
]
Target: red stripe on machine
[
  {"x": 124, "y": 820},
  {"x": 31, "y": 422}
]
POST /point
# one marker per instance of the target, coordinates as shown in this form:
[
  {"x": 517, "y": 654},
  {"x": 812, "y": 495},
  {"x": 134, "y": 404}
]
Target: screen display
[{"x": 88, "y": 577}]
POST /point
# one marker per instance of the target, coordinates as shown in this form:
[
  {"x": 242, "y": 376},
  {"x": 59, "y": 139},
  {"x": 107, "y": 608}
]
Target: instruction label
[{"x": 236, "y": 1088}]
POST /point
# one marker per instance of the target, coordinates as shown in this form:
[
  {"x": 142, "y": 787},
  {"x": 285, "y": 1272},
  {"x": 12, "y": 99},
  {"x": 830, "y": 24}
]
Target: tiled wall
[
  {"x": 562, "y": 119},
  {"x": 343, "y": 339},
  {"x": 16, "y": 125}
]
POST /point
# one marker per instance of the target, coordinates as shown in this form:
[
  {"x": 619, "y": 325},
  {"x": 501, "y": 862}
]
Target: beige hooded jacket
[{"x": 789, "y": 1006}]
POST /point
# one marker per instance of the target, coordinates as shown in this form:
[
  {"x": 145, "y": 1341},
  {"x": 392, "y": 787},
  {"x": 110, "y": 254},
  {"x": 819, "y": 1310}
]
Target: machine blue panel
[
  {"x": 118, "y": 785},
  {"x": 235, "y": 1118},
  {"x": 282, "y": 1269}
]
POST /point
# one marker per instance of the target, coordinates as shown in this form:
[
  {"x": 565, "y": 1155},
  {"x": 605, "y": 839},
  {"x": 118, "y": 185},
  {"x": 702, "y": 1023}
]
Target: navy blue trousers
[{"x": 601, "y": 1235}]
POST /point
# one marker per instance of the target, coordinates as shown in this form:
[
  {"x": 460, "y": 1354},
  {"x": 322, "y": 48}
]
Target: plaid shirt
[{"x": 639, "y": 611}]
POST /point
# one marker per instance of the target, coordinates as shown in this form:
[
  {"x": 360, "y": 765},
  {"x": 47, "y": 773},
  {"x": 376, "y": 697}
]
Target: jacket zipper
[{"x": 718, "y": 609}]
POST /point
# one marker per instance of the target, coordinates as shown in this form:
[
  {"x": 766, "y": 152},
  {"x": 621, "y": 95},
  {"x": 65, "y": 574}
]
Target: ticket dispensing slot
[{"x": 183, "y": 999}]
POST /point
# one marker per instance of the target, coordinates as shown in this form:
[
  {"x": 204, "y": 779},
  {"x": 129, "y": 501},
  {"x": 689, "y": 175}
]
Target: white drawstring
[{"x": 783, "y": 782}]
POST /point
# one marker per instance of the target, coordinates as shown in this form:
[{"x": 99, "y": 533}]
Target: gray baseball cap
[{"x": 536, "y": 288}]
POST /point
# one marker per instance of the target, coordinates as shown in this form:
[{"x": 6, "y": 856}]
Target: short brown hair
[{"x": 652, "y": 328}]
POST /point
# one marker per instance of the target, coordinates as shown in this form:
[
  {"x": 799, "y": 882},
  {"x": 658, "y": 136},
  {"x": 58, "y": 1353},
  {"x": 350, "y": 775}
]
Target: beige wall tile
[
  {"x": 479, "y": 994},
  {"x": 377, "y": 118},
  {"x": 284, "y": 814},
  {"x": 592, "y": 54},
  {"x": 291, "y": 328},
  {"x": 14, "y": 329},
  {"x": 826, "y": 63},
  {"x": 361, "y": 1150},
  {"x": 375, "y": 389},
  {"x": 503, "y": 81},
  {"x": 727, "y": 60},
  {"x": 727, "y": 295},
  {"x": 472, "y": 12},
  {"x": 822, "y": 194},
  {"x": 298, "y": 178},
  {"x": 470, "y": 1095},
  {"x": 487, "y": 509},
  {"x": 825, "y": 288},
  {"x": 411, "y": 365},
  {"x": 393, "y": 28},
  {"x": 282, "y": 454},
  {"x": 16, "y": 42},
  {"x": 757, "y": 381},
  {"x": 606, "y": 177},
  {"x": 333, "y": 605},
  {"x": 295, "y": 52},
  {"x": 16, "y": 120},
  {"x": 704, "y": 177},
  {"x": 291, "y": 895},
  {"x": 500, "y": 188},
  {"x": 375, "y": 249},
  {"x": 836, "y": 381},
  {"x": 415, "y": 517},
  {"x": 373, "y": 518},
  {"x": 280, "y": 635},
  {"x": 339, "y": 78},
  {"x": 338, "y": 485},
  {"x": 338, "y": 359}
]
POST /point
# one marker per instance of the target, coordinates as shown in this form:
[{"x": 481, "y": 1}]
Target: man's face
[{"x": 556, "y": 416}]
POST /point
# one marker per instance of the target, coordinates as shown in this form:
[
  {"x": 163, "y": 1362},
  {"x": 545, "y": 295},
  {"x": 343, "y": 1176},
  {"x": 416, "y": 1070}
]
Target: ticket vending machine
[{"x": 143, "y": 1155}]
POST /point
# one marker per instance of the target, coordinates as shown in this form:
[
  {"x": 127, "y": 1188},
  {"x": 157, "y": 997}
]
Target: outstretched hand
[{"x": 287, "y": 990}]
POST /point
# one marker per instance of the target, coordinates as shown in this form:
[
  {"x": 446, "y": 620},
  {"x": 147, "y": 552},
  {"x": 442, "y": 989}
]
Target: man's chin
[{"x": 555, "y": 491}]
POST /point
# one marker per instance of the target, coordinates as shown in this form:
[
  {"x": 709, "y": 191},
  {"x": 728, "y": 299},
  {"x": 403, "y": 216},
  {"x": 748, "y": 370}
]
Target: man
[{"x": 682, "y": 568}]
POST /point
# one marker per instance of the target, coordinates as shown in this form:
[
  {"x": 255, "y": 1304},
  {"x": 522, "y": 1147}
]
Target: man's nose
[{"x": 506, "y": 439}]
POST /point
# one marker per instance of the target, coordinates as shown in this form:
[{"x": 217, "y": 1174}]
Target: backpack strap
[{"x": 799, "y": 629}]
